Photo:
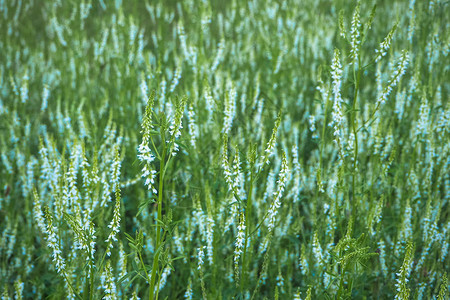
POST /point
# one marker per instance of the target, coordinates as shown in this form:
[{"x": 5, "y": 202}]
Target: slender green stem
[
  {"x": 91, "y": 291},
  {"x": 71, "y": 287},
  {"x": 143, "y": 266},
  {"x": 155, "y": 265},
  {"x": 357, "y": 77},
  {"x": 247, "y": 231}
]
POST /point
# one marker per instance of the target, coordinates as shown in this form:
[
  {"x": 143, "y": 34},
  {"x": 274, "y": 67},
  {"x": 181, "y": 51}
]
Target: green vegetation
[{"x": 224, "y": 149}]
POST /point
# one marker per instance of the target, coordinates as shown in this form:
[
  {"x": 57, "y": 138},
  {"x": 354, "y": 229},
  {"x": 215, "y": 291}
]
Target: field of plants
[{"x": 198, "y": 149}]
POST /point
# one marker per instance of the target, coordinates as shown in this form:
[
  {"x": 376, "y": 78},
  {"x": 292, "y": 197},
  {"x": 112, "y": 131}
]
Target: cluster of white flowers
[
  {"x": 395, "y": 79},
  {"x": 188, "y": 294},
  {"x": 132, "y": 37},
  {"x": 280, "y": 279},
  {"x": 115, "y": 169},
  {"x": 24, "y": 88},
  {"x": 422, "y": 123},
  {"x": 337, "y": 114},
  {"x": 219, "y": 56},
  {"x": 99, "y": 48},
  {"x": 182, "y": 37},
  {"x": 282, "y": 179},
  {"x": 193, "y": 128},
  {"x": 176, "y": 125},
  {"x": 145, "y": 155},
  {"x": 114, "y": 225},
  {"x": 240, "y": 239},
  {"x": 382, "y": 256},
  {"x": 141, "y": 45},
  {"x": 108, "y": 283},
  {"x": 37, "y": 212},
  {"x": 230, "y": 109},
  {"x": 106, "y": 193},
  {"x": 355, "y": 42},
  {"x": 144, "y": 89},
  {"x": 201, "y": 256},
  {"x": 45, "y": 96},
  {"x": 210, "y": 239},
  {"x": 165, "y": 274},
  {"x": 272, "y": 142},
  {"x": 406, "y": 230},
  {"x": 295, "y": 191},
  {"x": 225, "y": 164},
  {"x": 176, "y": 77},
  {"x": 317, "y": 251},
  {"x": 312, "y": 123},
  {"x": 238, "y": 184},
  {"x": 73, "y": 195},
  {"x": 134, "y": 296},
  {"x": 384, "y": 46},
  {"x": 122, "y": 263},
  {"x": 52, "y": 242},
  {"x": 209, "y": 102},
  {"x": 403, "y": 275},
  {"x": 18, "y": 287}
]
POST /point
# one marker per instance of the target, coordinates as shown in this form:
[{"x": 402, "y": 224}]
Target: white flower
[
  {"x": 282, "y": 179},
  {"x": 201, "y": 256},
  {"x": 240, "y": 239}
]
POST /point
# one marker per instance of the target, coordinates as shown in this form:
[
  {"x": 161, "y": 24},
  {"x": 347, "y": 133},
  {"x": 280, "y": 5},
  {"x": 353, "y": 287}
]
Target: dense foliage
[{"x": 224, "y": 149}]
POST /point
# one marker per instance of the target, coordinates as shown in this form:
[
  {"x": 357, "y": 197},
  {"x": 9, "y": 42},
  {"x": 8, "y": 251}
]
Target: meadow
[{"x": 257, "y": 149}]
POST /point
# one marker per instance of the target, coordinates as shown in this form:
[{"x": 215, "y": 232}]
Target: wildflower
[
  {"x": 271, "y": 144},
  {"x": 443, "y": 291},
  {"x": 342, "y": 31},
  {"x": 188, "y": 293},
  {"x": 354, "y": 33},
  {"x": 24, "y": 88},
  {"x": 317, "y": 250},
  {"x": 219, "y": 55},
  {"x": 176, "y": 77},
  {"x": 176, "y": 125},
  {"x": 282, "y": 179},
  {"x": 210, "y": 238},
  {"x": 45, "y": 96},
  {"x": 240, "y": 239},
  {"x": 115, "y": 170},
  {"x": 225, "y": 165},
  {"x": 193, "y": 129},
  {"x": 106, "y": 193},
  {"x": 382, "y": 256},
  {"x": 145, "y": 155},
  {"x": 114, "y": 225},
  {"x": 403, "y": 275},
  {"x": 144, "y": 89},
  {"x": 108, "y": 282},
  {"x": 230, "y": 109},
  {"x": 422, "y": 123},
  {"x": 37, "y": 212},
  {"x": 166, "y": 272},
  {"x": 182, "y": 37},
  {"x": 53, "y": 244},
  {"x": 201, "y": 256},
  {"x": 312, "y": 123},
  {"x": 395, "y": 78},
  {"x": 384, "y": 46},
  {"x": 209, "y": 102},
  {"x": 337, "y": 113},
  {"x": 134, "y": 296}
]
